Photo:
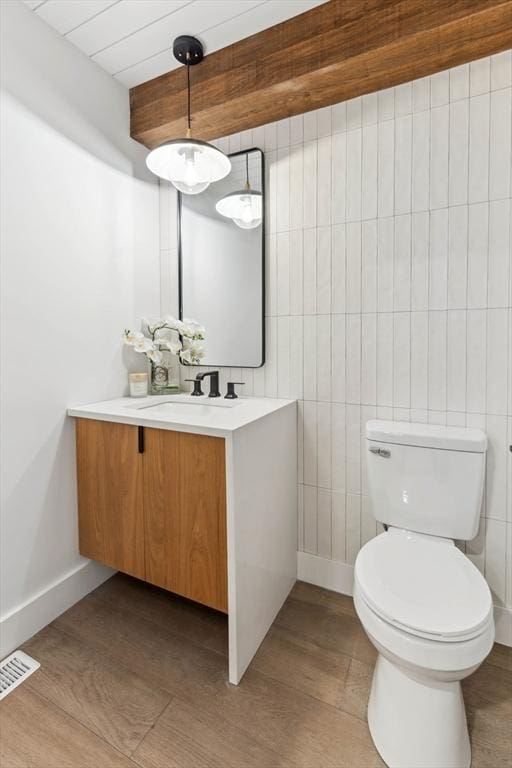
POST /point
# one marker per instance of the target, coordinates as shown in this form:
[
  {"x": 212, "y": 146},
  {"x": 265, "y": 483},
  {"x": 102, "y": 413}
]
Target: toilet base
[{"x": 417, "y": 722}]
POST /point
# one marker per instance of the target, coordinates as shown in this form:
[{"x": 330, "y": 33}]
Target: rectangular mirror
[{"x": 221, "y": 263}]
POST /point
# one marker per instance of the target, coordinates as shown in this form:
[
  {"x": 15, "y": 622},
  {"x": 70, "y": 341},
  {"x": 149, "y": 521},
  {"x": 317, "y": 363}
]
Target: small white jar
[{"x": 138, "y": 384}]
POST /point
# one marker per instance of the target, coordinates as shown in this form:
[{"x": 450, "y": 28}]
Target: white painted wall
[
  {"x": 79, "y": 263},
  {"x": 389, "y": 294}
]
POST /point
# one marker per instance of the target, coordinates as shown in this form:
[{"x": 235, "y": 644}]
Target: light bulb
[
  {"x": 190, "y": 190},
  {"x": 190, "y": 175},
  {"x": 190, "y": 184},
  {"x": 252, "y": 224},
  {"x": 247, "y": 211},
  {"x": 243, "y": 207},
  {"x": 249, "y": 218}
]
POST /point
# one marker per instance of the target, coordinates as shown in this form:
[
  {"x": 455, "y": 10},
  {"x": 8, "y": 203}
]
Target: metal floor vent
[{"x": 14, "y": 670}]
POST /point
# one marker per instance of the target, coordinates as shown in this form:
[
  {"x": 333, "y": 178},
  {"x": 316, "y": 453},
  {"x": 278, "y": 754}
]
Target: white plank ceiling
[{"x": 132, "y": 39}]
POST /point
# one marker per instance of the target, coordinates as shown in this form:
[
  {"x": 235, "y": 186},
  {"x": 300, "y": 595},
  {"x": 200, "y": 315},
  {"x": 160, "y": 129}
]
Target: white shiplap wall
[{"x": 389, "y": 290}]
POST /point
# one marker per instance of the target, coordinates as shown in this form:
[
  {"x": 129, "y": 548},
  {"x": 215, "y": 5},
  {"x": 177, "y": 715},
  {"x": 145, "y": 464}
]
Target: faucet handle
[
  {"x": 231, "y": 394},
  {"x": 197, "y": 391}
]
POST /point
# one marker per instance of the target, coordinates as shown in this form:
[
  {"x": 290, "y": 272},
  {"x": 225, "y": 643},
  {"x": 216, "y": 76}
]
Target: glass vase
[{"x": 164, "y": 376}]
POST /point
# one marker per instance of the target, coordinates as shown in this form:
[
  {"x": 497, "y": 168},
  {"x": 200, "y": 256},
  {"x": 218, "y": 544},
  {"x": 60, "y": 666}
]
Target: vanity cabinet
[
  {"x": 199, "y": 498},
  {"x": 152, "y": 503}
]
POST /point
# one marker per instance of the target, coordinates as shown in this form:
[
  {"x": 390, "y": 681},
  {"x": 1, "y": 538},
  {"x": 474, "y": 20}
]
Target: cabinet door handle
[{"x": 141, "y": 439}]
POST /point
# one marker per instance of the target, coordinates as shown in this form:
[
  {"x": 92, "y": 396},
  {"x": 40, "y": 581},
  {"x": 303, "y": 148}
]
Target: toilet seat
[{"x": 424, "y": 586}]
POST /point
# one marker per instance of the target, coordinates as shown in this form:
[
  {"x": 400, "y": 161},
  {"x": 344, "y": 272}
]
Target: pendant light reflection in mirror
[
  {"x": 243, "y": 206},
  {"x": 189, "y": 164}
]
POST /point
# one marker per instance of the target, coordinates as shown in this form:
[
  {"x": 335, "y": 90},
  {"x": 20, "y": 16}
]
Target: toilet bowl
[
  {"x": 428, "y": 612},
  {"x": 423, "y": 604}
]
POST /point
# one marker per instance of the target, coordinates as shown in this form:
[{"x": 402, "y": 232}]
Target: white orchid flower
[
  {"x": 144, "y": 345},
  {"x": 173, "y": 346},
  {"x": 193, "y": 351},
  {"x": 186, "y": 356},
  {"x": 154, "y": 327},
  {"x": 184, "y": 340},
  {"x": 155, "y": 356},
  {"x": 171, "y": 322},
  {"x": 132, "y": 337},
  {"x": 192, "y": 330}
]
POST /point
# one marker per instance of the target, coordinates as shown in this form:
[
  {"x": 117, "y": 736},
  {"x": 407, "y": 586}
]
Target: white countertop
[{"x": 183, "y": 413}]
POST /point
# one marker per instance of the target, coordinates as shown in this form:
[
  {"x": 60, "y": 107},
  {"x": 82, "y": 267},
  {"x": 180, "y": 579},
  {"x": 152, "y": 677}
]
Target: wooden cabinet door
[
  {"x": 161, "y": 505},
  {"x": 110, "y": 511},
  {"x": 185, "y": 515}
]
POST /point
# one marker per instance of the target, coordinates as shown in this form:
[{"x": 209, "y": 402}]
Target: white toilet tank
[{"x": 426, "y": 478}]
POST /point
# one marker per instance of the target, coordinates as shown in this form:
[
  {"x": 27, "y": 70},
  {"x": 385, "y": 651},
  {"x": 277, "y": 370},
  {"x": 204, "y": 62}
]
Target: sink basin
[
  {"x": 185, "y": 405},
  {"x": 194, "y": 410}
]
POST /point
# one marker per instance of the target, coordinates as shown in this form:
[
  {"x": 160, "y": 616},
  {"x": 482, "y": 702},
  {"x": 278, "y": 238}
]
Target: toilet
[{"x": 423, "y": 604}]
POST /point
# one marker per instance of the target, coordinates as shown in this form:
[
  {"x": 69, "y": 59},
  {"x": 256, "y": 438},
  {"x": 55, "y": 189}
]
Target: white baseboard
[
  {"x": 330, "y": 574},
  {"x": 339, "y": 577},
  {"x": 25, "y": 620}
]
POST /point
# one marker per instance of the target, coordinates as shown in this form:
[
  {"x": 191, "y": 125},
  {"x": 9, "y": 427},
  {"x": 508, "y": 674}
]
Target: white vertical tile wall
[{"x": 389, "y": 285}]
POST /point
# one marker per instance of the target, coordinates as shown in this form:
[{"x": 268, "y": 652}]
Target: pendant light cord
[
  {"x": 247, "y": 185},
  {"x": 188, "y": 95}
]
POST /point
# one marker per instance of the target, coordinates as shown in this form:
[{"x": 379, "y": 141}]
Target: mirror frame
[{"x": 263, "y": 257}]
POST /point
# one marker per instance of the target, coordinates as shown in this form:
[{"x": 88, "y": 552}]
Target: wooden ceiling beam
[{"x": 336, "y": 51}]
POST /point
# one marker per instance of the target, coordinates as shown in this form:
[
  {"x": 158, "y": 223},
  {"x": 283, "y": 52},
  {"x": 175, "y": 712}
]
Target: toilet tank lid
[{"x": 427, "y": 435}]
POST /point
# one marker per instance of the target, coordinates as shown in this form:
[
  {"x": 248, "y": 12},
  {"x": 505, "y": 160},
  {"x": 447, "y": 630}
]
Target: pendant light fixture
[
  {"x": 191, "y": 165},
  {"x": 243, "y": 206}
]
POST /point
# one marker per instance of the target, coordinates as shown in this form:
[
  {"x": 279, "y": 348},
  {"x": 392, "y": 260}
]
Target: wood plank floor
[{"x": 133, "y": 677}]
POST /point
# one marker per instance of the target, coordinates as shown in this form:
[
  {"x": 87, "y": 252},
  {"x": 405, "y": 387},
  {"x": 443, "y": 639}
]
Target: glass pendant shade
[
  {"x": 243, "y": 206},
  {"x": 189, "y": 164}
]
